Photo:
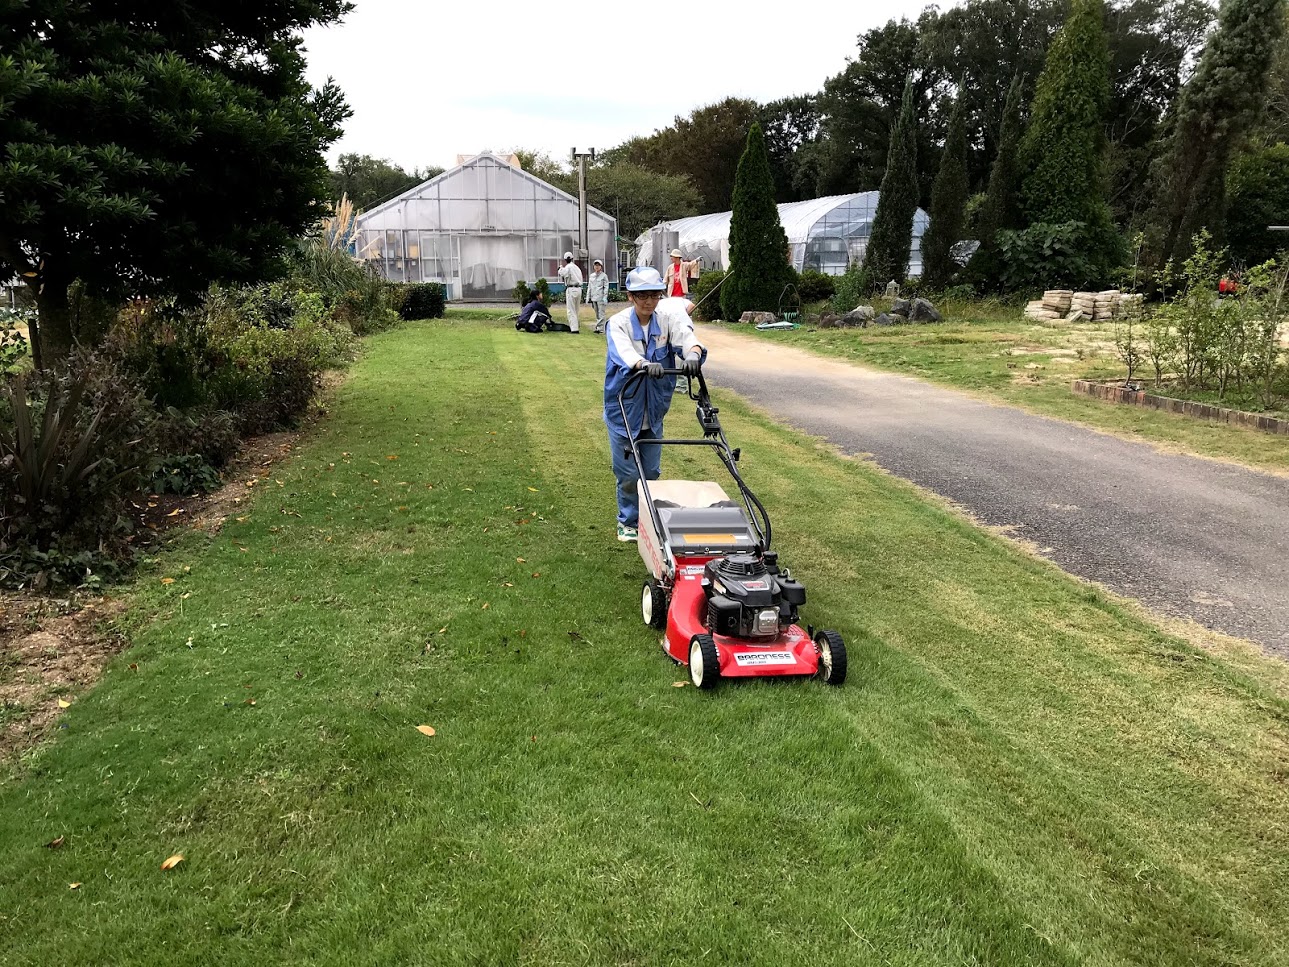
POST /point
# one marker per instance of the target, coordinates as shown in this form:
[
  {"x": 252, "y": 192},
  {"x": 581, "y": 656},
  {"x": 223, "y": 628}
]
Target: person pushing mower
[{"x": 653, "y": 338}]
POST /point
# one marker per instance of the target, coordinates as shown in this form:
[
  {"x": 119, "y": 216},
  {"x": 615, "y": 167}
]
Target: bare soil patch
[{"x": 53, "y": 649}]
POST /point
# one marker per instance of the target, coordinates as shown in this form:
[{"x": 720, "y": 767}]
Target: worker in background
[
  {"x": 649, "y": 337},
  {"x": 679, "y": 272},
  {"x": 571, "y": 276},
  {"x": 597, "y": 293}
]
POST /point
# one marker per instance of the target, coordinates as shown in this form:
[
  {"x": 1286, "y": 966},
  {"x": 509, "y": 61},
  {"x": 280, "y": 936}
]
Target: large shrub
[
  {"x": 815, "y": 286},
  {"x": 424, "y": 300},
  {"x": 948, "y": 206},
  {"x": 708, "y": 309},
  {"x": 73, "y": 444},
  {"x": 1043, "y": 256},
  {"x": 852, "y": 288},
  {"x": 1257, "y": 195}
]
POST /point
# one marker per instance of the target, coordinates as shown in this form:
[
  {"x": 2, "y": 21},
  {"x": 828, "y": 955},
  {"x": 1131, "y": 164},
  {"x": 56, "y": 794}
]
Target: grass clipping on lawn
[{"x": 1019, "y": 771}]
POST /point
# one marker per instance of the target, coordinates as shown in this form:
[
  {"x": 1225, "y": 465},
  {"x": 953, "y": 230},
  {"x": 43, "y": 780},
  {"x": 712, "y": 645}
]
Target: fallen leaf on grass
[
  {"x": 392, "y": 456},
  {"x": 62, "y": 703},
  {"x": 55, "y": 843},
  {"x": 485, "y": 606},
  {"x": 425, "y": 729},
  {"x": 73, "y": 886},
  {"x": 507, "y": 585},
  {"x": 443, "y": 629},
  {"x": 175, "y": 513},
  {"x": 520, "y": 560},
  {"x": 134, "y": 666},
  {"x": 575, "y": 636},
  {"x": 173, "y": 861},
  {"x": 537, "y": 574},
  {"x": 679, "y": 684},
  {"x": 534, "y": 490},
  {"x": 167, "y": 580}
]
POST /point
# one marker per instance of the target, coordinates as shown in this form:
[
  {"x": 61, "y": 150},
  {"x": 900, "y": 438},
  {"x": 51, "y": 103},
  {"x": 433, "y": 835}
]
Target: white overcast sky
[{"x": 428, "y": 81}]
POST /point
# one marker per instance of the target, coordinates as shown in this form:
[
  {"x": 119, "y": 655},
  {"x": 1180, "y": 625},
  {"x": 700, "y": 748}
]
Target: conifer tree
[
  {"x": 1215, "y": 110},
  {"x": 759, "y": 267},
  {"x": 887, "y": 254},
  {"x": 1062, "y": 152},
  {"x": 1001, "y": 208},
  {"x": 948, "y": 205}
]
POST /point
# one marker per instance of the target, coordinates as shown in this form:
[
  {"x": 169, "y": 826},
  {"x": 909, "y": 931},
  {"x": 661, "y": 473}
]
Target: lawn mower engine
[{"x": 748, "y": 597}]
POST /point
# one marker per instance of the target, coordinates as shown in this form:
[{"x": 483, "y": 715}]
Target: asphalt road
[{"x": 1188, "y": 537}]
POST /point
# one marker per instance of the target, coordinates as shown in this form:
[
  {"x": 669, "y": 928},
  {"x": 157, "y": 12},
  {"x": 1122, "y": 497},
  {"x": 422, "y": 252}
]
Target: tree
[
  {"x": 1216, "y": 109},
  {"x": 1062, "y": 150},
  {"x": 887, "y": 254},
  {"x": 790, "y": 124},
  {"x": 985, "y": 45},
  {"x": 1001, "y": 208},
  {"x": 948, "y": 206},
  {"x": 1152, "y": 46},
  {"x": 369, "y": 181},
  {"x": 759, "y": 269},
  {"x": 637, "y": 197},
  {"x": 153, "y": 148},
  {"x": 860, "y": 106},
  {"x": 1257, "y": 191},
  {"x": 704, "y": 147}
]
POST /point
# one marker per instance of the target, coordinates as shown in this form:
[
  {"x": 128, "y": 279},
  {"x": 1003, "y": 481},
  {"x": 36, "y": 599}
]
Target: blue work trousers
[{"x": 624, "y": 469}]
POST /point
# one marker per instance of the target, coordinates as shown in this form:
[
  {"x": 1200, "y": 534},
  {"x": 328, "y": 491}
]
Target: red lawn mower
[{"x": 729, "y": 610}]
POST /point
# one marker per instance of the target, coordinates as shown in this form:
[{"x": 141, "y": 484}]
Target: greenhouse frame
[
  {"x": 824, "y": 235},
  {"x": 480, "y": 228}
]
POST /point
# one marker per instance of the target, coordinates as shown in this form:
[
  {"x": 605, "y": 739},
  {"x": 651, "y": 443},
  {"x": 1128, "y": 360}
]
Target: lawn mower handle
[{"x": 713, "y": 436}]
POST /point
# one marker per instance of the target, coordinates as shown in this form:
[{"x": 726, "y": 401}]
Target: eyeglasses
[{"x": 650, "y": 296}]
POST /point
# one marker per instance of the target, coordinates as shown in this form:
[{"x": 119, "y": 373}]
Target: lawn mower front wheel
[
  {"x": 653, "y": 605},
  {"x": 832, "y": 657},
  {"x": 704, "y": 662}
]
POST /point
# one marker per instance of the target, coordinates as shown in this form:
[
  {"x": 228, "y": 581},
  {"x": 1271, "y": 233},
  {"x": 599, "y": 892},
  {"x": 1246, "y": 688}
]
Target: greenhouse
[
  {"x": 480, "y": 228},
  {"x": 824, "y": 235}
]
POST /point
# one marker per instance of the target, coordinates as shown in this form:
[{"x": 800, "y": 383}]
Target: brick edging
[{"x": 1201, "y": 411}]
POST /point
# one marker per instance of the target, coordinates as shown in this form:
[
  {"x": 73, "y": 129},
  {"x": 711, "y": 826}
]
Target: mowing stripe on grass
[{"x": 1018, "y": 772}]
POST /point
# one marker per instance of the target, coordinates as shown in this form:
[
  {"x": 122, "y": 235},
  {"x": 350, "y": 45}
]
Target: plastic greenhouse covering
[
  {"x": 479, "y": 229},
  {"x": 824, "y": 235}
]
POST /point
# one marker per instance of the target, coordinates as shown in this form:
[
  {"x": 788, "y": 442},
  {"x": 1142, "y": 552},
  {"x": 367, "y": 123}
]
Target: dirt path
[{"x": 1189, "y": 537}]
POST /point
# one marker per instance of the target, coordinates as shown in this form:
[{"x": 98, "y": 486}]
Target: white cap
[
  {"x": 597, "y": 262},
  {"x": 676, "y": 254},
  {"x": 567, "y": 256}
]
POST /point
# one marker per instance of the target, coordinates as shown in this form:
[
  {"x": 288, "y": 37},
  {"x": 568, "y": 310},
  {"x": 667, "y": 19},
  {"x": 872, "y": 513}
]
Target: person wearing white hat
[
  {"x": 679, "y": 272},
  {"x": 571, "y": 276},
  {"x": 652, "y": 337},
  {"x": 597, "y": 293}
]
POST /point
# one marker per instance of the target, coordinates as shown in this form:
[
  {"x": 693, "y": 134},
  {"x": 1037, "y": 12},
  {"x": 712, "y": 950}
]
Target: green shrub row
[{"x": 161, "y": 403}]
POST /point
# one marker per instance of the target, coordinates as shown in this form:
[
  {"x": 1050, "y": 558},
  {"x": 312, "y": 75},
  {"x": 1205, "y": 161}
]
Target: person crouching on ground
[
  {"x": 643, "y": 337},
  {"x": 571, "y": 276},
  {"x": 597, "y": 293},
  {"x": 534, "y": 316}
]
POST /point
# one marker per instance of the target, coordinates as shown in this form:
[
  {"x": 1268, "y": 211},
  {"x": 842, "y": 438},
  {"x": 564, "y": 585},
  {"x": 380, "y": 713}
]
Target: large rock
[
  {"x": 888, "y": 320},
  {"x": 857, "y": 318},
  {"x": 829, "y": 320},
  {"x": 923, "y": 311},
  {"x": 902, "y": 307},
  {"x": 758, "y": 317}
]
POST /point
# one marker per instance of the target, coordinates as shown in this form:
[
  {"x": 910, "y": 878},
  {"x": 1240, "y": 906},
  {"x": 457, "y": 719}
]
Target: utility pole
[{"x": 583, "y": 236}]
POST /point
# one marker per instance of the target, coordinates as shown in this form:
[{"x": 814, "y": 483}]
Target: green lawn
[
  {"x": 1031, "y": 365},
  {"x": 1019, "y": 771}
]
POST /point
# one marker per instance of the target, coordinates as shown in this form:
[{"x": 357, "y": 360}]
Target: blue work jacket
[{"x": 668, "y": 338}]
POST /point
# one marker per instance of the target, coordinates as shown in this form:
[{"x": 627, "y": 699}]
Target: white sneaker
[{"x": 627, "y": 535}]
